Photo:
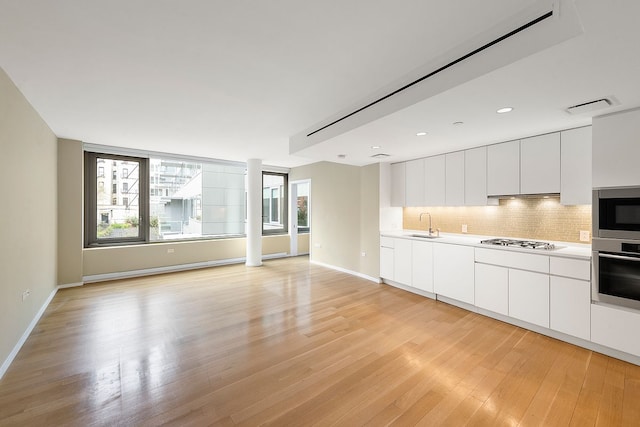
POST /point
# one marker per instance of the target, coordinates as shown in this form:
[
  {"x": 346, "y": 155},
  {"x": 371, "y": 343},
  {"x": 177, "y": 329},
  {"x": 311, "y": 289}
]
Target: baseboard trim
[
  {"x": 172, "y": 268},
  {"x": 25, "y": 335},
  {"x": 344, "y": 270},
  {"x": 70, "y": 285}
]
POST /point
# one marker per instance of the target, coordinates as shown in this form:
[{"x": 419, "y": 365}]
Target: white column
[{"x": 254, "y": 212}]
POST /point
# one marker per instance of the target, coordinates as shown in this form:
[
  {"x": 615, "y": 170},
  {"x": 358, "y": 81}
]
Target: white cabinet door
[
  {"x": 402, "y": 261},
  {"x": 575, "y": 166},
  {"x": 492, "y": 288},
  {"x": 454, "y": 179},
  {"x": 453, "y": 271},
  {"x": 398, "y": 184},
  {"x": 386, "y": 263},
  {"x": 475, "y": 177},
  {"x": 414, "y": 173},
  {"x": 422, "y": 265},
  {"x": 540, "y": 164},
  {"x": 529, "y": 297},
  {"x": 570, "y": 306},
  {"x": 434, "y": 181},
  {"x": 503, "y": 168},
  {"x": 616, "y": 149},
  {"x": 615, "y": 328}
]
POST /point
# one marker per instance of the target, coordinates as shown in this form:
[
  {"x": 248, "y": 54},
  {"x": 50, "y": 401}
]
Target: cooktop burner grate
[{"x": 527, "y": 244}]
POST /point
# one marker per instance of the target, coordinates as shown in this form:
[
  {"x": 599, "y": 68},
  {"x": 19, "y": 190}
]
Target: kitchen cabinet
[
  {"x": 398, "y": 184},
  {"x": 453, "y": 271},
  {"x": 616, "y": 328},
  {"x": 386, "y": 257},
  {"x": 414, "y": 186},
  {"x": 475, "y": 177},
  {"x": 422, "y": 265},
  {"x": 402, "y": 261},
  {"x": 503, "y": 168},
  {"x": 570, "y": 306},
  {"x": 540, "y": 164},
  {"x": 616, "y": 149},
  {"x": 575, "y": 166},
  {"x": 492, "y": 288},
  {"x": 434, "y": 185},
  {"x": 529, "y": 297},
  {"x": 454, "y": 179}
]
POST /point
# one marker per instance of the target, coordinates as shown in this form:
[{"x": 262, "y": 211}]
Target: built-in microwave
[{"x": 616, "y": 213}]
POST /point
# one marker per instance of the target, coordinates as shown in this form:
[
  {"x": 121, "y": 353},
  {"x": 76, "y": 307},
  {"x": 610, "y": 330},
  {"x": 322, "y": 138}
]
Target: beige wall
[
  {"x": 28, "y": 226},
  {"x": 344, "y": 215},
  {"x": 70, "y": 207},
  {"x": 530, "y": 218}
]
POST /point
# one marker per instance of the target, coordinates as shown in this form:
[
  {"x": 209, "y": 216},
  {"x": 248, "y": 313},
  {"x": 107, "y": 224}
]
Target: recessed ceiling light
[
  {"x": 342, "y": 156},
  {"x": 458, "y": 123},
  {"x": 375, "y": 147},
  {"x": 421, "y": 134},
  {"x": 504, "y": 110}
]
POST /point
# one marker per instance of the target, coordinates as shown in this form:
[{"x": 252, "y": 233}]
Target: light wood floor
[{"x": 291, "y": 343}]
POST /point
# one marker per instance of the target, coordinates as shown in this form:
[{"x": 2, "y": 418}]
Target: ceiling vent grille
[
  {"x": 439, "y": 70},
  {"x": 587, "y": 107}
]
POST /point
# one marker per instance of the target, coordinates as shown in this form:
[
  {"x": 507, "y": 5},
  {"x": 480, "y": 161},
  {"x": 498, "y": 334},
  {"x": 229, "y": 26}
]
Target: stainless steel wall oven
[{"x": 616, "y": 246}]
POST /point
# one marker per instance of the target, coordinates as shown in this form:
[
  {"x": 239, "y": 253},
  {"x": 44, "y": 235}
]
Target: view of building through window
[
  {"x": 118, "y": 209},
  {"x": 303, "y": 207},
  {"x": 274, "y": 202},
  {"x": 192, "y": 200}
]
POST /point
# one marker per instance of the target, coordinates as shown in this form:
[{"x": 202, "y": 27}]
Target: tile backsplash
[{"x": 530, "y": 218}]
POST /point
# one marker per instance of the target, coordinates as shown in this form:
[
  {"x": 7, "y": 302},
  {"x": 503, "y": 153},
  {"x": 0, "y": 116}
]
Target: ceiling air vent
[
  {"x": 587, "y": 107},
  {"x": 380, "y": 156}
]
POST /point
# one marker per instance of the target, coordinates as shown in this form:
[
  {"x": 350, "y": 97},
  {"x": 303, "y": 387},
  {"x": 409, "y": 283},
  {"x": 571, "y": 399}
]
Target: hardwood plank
[{"x": 297, "y": 344}]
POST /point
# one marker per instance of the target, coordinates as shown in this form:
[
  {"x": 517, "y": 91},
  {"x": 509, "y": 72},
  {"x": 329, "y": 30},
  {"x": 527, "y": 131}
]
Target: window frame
[
  {"x": 284, "y": 200},
  {"x": 91, "y": 200}
]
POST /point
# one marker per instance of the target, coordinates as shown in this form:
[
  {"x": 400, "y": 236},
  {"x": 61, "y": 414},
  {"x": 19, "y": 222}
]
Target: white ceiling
[{"x": 237, "y": 79}]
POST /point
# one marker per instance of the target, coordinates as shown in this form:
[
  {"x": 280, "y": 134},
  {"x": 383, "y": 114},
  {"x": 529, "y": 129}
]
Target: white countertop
[{"x": 564, "y": 249}]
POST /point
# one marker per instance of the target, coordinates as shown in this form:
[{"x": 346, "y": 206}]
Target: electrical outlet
[
  {"x": 464, "y": 228},
  {"x": 584, "y": 236},
  {"x": 170, "y": 250},
  {"x": 363, "y": 253},
  {"x": 317, "y": 245}
]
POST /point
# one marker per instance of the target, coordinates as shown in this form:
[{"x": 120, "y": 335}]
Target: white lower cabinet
[
  {"x": 386, "y": 262},
  {"x": 422, "y": 265},
  {"x": 492, "y": 288},
  {"x": 402, "y": 261},
  {"x": 615, "y": 328},
  {"x": 453, "y": 271},
  {"x": 570, "y": 306},
  {"x": 529, "y": 297}
]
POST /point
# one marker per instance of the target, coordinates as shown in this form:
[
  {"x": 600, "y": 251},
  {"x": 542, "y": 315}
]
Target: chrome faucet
[{"x": 430, "y": 229}]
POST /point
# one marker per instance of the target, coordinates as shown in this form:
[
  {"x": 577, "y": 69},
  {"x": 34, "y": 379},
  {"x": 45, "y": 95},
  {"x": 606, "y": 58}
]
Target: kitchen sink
[{"x": 424, "y": 236}]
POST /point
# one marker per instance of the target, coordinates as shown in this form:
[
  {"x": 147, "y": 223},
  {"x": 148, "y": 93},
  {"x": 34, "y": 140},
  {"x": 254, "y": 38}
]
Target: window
[
  {"x": 114, "y": 173},
  {"x": 189, "y": 200},
  {"x": 106, "y": 220},
  {"x": 101, "y": 171},
  {"x": 302, "y": 206},
  {"x": 274, "y": 203},
  {"x": 125, "y": 173}
]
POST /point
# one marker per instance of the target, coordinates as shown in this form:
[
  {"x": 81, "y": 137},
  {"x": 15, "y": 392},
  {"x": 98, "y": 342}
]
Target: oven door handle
[{"x": 625, "y": 258}]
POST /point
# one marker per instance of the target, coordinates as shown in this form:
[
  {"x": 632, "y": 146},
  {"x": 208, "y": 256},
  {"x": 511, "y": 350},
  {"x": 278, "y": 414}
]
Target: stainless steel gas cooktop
[{"x": 526, "y": 244}]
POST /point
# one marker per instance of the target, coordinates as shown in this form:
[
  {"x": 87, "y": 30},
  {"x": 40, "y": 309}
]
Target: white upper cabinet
[
  {"x": 434, "y": 181},
  {"x": 540, "y": 164},
  {"x": 616, "y": 149},
  {"x": 398, "y": 184},
  {"x": 414, "y": 186},
  {"x": 454, "y": 179},
  {"x": 575, "y": 167},
  {"x": 503, "y": 168},
  {"x": 475, "y": 177}
]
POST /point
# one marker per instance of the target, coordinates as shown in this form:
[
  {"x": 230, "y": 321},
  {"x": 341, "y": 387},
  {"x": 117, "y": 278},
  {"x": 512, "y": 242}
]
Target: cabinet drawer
[
  {"x": 568, "y": 267},
  {"x": 387, "y": 242},
  {"x": 512, "y": 259}
]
